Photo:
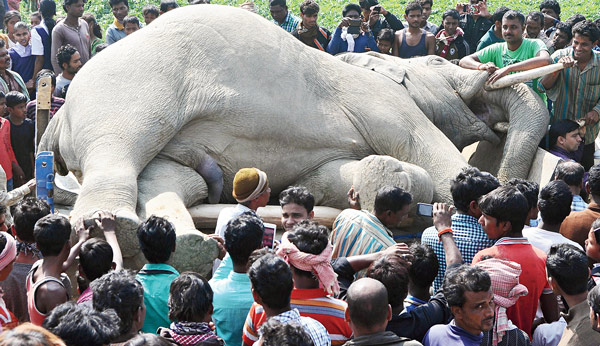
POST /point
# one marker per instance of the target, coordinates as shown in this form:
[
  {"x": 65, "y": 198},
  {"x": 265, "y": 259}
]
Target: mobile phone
[
  {"x": 354, "y": 28},
  {"x": 472, "y": 8},
  {"x": 44, "y": 177},
  {"x": 269, "y": 235},
  {"x": 597, "y": 235},
  {"x": 425, "y": 209}
]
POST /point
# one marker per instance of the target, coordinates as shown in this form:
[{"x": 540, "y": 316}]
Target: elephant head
[{"x": 464, "y": 111}]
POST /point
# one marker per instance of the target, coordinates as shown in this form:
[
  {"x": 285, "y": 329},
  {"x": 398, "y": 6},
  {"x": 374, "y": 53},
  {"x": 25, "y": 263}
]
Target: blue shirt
[
  {"x": 337, "y": 45},
  {"x": 449, "y": 335},
  {"x": 469, "y": 236},
  {"x": 578, "y": 203},
  {"x": 113, "y": 34},
  {"x": 232, "y": 299},
  {"x": 411, "y": 302},
  {"x": 156, "y": 279}
]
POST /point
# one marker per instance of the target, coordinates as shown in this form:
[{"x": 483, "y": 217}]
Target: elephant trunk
[{"x": 528, "y": 121}]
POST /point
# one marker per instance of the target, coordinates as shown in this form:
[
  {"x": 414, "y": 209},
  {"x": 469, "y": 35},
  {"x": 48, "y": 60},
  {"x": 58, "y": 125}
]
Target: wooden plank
[
  {"x": 205, "y": 215},
  {"x": 43, "y": 105}
]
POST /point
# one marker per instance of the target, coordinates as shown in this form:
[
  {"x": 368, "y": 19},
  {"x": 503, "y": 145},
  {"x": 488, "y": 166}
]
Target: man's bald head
[{"x": 368, "y": 303}]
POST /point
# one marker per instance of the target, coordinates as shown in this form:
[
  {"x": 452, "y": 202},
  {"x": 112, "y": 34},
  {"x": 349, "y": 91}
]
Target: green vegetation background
[{"x": 331, "y": 10}]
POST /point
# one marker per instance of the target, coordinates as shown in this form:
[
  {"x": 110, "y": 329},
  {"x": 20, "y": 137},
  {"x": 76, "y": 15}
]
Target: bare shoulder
[{"x": 49, "y": 295}]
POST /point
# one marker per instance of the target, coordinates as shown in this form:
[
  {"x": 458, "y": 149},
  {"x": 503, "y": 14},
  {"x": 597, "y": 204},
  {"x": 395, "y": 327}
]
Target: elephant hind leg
[{"x": 166, "y": 189}]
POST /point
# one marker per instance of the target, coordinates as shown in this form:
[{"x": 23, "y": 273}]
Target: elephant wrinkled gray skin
[
  {"x": 163, "y": 119},
  {"x": 470, "y": 117}
]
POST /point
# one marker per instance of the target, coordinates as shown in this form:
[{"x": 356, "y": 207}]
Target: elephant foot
[
  {"x": 169, "y": 198},
  {"x": 127, "y": 225},
  {"x": 194, "y": 252}
]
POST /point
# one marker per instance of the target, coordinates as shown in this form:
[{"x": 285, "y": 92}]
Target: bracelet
[
  {"x": 444, "y": 231},
  {"x": 478, "y": 66}
]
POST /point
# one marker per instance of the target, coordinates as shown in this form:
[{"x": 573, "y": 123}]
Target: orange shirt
[{"x": 533, "y": 276}]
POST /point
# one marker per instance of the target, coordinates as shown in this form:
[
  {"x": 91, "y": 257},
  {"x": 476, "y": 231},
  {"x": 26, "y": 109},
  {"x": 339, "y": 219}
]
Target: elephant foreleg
[{"x": 166, "y": 189}]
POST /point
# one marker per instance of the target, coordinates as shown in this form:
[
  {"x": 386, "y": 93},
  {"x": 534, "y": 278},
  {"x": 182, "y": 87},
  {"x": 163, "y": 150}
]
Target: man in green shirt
[
  {"x": 157, "y": 242},
  {"x": 493, "y": 35},
  {"x": 575, "y": 90},
  {"x": 513, "y": 55}
]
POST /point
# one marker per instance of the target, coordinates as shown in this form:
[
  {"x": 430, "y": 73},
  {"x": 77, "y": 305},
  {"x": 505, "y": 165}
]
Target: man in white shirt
[
  {"x": 251, "y": 190},
  {"x": 554, "y": 203}
]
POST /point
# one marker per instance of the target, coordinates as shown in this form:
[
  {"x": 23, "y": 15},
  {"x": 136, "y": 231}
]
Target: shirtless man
[{"x": 413, "y": 41}]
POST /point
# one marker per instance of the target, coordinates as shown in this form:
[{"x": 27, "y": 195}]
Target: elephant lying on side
[
  {"x": 154, "y": 124},
  {"x": 475, "y": 114}
]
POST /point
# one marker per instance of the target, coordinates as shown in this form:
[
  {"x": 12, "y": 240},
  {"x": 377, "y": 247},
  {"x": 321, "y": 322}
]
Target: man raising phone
[
  {"x": 378, "y": 17},
  {"x": 352, "y": 35},
  {"x": 474, "y": 20},
  {"x": 466, "y": 188}
]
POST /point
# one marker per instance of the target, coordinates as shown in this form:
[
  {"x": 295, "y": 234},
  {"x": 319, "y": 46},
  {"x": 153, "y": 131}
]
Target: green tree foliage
[{"x": 331, "y": 10}]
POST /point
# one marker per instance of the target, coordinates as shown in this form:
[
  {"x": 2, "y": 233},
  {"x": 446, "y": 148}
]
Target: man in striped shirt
[
  {"x": 309, "y": 295},
  {"x": 360, "y": 232},
  {"x": 575, "y": 90},
  {"x": 272, "y": 285},
  {"x": 282, "y": 17}
]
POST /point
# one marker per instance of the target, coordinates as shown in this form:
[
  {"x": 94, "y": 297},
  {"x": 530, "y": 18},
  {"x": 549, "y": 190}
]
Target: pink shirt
[{"x": 7, "y": 156}]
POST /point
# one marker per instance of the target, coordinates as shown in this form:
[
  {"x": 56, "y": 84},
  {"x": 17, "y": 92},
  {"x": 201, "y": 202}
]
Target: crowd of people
[
  {"x": 506, "y": 264},
  {"x": 509, "y": 266}
]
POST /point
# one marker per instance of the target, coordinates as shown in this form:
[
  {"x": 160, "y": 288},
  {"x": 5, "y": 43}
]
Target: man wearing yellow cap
[{"x": 251, "y": 190}]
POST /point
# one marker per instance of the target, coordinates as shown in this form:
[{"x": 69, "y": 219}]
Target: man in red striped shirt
[
  {"x": 308, "y": 31},
  {"x": 308, "y": 296}
]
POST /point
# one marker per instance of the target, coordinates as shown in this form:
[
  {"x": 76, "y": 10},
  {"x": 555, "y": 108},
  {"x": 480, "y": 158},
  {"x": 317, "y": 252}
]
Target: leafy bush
[{"x": 331, "y": 10}]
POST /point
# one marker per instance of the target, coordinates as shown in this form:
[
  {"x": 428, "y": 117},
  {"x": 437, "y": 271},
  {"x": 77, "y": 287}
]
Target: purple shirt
[
  {"x": 449, "y": 335},
  {"x": 566, "y": 155}
]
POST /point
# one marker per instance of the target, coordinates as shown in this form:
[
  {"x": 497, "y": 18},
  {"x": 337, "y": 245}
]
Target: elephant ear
[{"x": 375, "y": 62}]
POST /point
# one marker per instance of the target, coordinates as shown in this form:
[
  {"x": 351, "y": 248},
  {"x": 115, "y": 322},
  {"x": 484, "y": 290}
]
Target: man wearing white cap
[{"x": 251, "y": 190}]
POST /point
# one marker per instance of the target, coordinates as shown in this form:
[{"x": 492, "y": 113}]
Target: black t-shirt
[{"x": 22, "y": 139}]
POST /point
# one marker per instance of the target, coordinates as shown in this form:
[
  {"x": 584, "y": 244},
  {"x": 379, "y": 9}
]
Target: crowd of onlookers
[{"x": 506, "y": 264}]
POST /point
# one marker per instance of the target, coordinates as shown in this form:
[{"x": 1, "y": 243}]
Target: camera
[
  {"x": 354, "y": 27},
  {"x": 471, "y": 8}
]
